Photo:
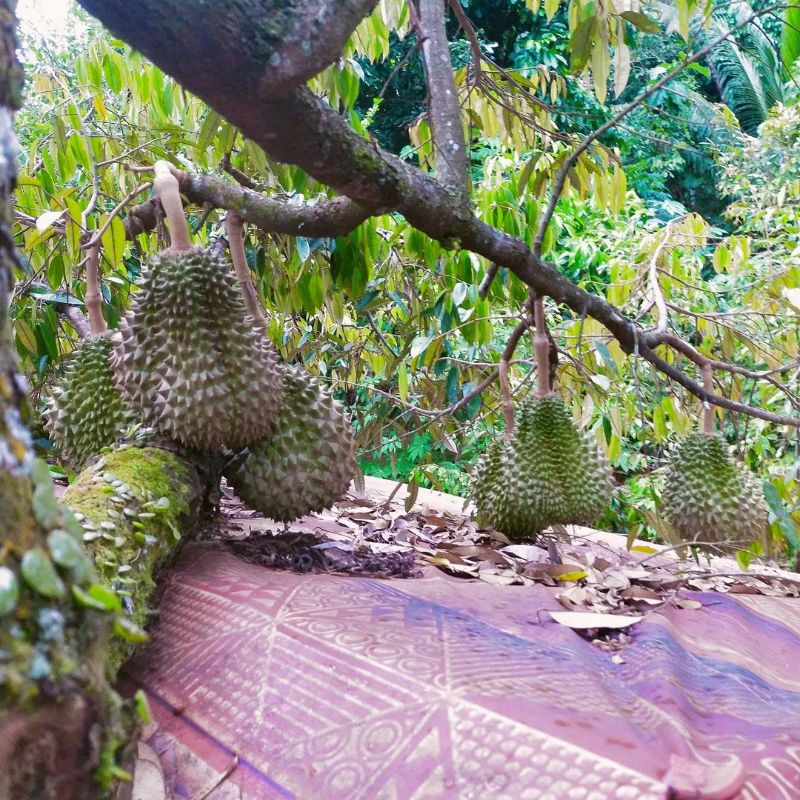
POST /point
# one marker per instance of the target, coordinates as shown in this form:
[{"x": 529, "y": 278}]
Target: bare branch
[
  {"x": 76, "y": 319},
  {"x": 561, "y": 177},
  {"x": 488, "y": 280},
  {"x": 469, "y": 31},
  {"x": 444, "y": 109}
]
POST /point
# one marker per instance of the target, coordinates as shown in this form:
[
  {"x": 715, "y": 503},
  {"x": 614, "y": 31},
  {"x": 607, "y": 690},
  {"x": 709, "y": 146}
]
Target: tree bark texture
[{"x": 62, "y": 727}]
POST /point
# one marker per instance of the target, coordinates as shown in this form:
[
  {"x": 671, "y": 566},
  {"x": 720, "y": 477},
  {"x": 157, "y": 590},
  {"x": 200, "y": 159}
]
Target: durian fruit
[
  {"x": 708, "y": 497},
  {"x": 306, "y": 462},
  {"x": 547, "y": 472},
  {"x": 86, "y": 412},
  {"x": 191, "y": 362}
]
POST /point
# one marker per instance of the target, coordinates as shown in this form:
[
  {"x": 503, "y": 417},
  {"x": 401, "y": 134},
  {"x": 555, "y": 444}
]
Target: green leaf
[
  {"x": 106, "y": 597},
  {"x": 777, "y": 507},
  {"x": 40, "y": 574},
  {"x": 112, "y": 73},
  {"x": 86, "y": 600},
  {"x": 209, "y": 130},
  {"x": 113, "y": 241},
  {"x": 129, "y": 631},
  {"x": 65, "y": 550},
  {"x": 641, "y": 21},
  {"x": 402, "y": 382},
  {"x": 9, "y": 591},
  {"x": 580, "y": 43},
  {"x": 420, "y": 344},
  {"x": 142, "y": 707}
]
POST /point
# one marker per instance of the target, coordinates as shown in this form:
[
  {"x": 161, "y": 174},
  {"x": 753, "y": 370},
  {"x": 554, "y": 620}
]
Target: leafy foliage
[{"x": 392, "y": 320}]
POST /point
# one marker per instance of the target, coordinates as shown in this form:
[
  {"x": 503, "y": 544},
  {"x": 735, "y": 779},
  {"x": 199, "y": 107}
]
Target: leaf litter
[{"x": 592, "y": 571}]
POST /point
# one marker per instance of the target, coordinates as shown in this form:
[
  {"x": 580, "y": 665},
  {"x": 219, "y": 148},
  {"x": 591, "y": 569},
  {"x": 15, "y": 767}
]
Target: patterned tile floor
[{"x": 340, "y": 687}]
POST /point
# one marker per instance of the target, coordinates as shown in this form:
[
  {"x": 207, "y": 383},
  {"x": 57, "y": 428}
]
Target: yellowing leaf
[{"x": 113, "y": 241}]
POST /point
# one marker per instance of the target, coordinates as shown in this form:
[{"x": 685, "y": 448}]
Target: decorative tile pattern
[{"x": 333, "y": 687}]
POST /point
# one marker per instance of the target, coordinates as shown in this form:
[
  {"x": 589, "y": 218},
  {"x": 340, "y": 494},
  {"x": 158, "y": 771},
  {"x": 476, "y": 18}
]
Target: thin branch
[
  {"x": 469, "y": 31},
  {"x": 396, "y": 71},
  {"x": 444, "y": 109},
  {"x": 76, "y": 319},
  {"x": 98, "y": 235},
  {"x": 561, "y": 177},
  {"x": 488, "y": 279},
  {"x": 505, "y": 358}
]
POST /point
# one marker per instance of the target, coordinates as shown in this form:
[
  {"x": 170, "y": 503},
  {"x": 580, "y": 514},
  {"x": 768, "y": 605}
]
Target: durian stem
[
  {"x": 235, "y": 231},
  {"x": 505, "y": 394},
  {"x": 541, "y": 350},
  {"x": 708, "y": 408},
  {"x": 93, "y": 297},
  {"x": 168, "y": 191}
]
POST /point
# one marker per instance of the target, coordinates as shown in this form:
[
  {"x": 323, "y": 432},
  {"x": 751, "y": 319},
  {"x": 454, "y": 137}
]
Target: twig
[
  {"x": 214, "y": 783},
  {"x": 396, "y": 71},
  {"x": 469, "y": 31},
  {"x": 569, "y": 163},
  {"x": 488, "y": 280},
  {"x": 98, "y": 235}
]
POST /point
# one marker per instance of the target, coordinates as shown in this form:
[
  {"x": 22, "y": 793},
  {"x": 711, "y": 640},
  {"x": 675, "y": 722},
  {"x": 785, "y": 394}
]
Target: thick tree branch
[
  {"x": 302, "y": 129},
  {"x": 444, "y": 109},
  {"x": 268, "y": 46},
  {"x": 336, "y": 217}
]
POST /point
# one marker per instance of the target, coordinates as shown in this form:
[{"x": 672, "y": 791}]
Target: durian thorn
[
  {"x": 168, "y": 191},
  {"x": 235, "y": 231},
  {"x": 93, "y": 297},
  {"x": 708, "y": 408},
  {"x": 541, "y": 350}
]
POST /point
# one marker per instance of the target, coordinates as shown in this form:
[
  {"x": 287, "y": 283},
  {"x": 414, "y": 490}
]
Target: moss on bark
[{"x": 131, "y": 505}]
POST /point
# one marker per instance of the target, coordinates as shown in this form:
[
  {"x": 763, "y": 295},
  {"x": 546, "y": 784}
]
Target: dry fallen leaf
[
  {"x": 684, "y": 602},
  {"x": 148, "y": 775},
  {"x": 584, "y": 620}
]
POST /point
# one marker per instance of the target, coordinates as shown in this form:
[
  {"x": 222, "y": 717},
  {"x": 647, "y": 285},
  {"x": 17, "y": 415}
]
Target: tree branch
[
  {"x": 561, "y": 177},
  {"x": 444, "y": 109},
  {"x": 303, "y": 129}
]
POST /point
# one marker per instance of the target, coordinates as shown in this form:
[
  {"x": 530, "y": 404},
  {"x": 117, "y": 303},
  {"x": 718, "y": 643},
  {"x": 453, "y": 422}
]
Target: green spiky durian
[
  {"x": 191, "y": 362},
  {"x": 709, "y": 497},
  {"x": 86, "y": 412},
  {"x": 306, "y": 462},
  {"x": 546, "y": 473}
]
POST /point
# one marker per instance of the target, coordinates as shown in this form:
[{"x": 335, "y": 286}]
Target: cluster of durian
[
  {"x": 190, "y": 363},
  {"x": 547, "y": 472},
  {"x": 708, "y": 497}
]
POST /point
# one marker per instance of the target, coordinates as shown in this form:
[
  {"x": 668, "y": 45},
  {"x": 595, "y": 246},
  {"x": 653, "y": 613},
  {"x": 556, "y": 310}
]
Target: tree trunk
[{"x": 62, "y": 727}]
